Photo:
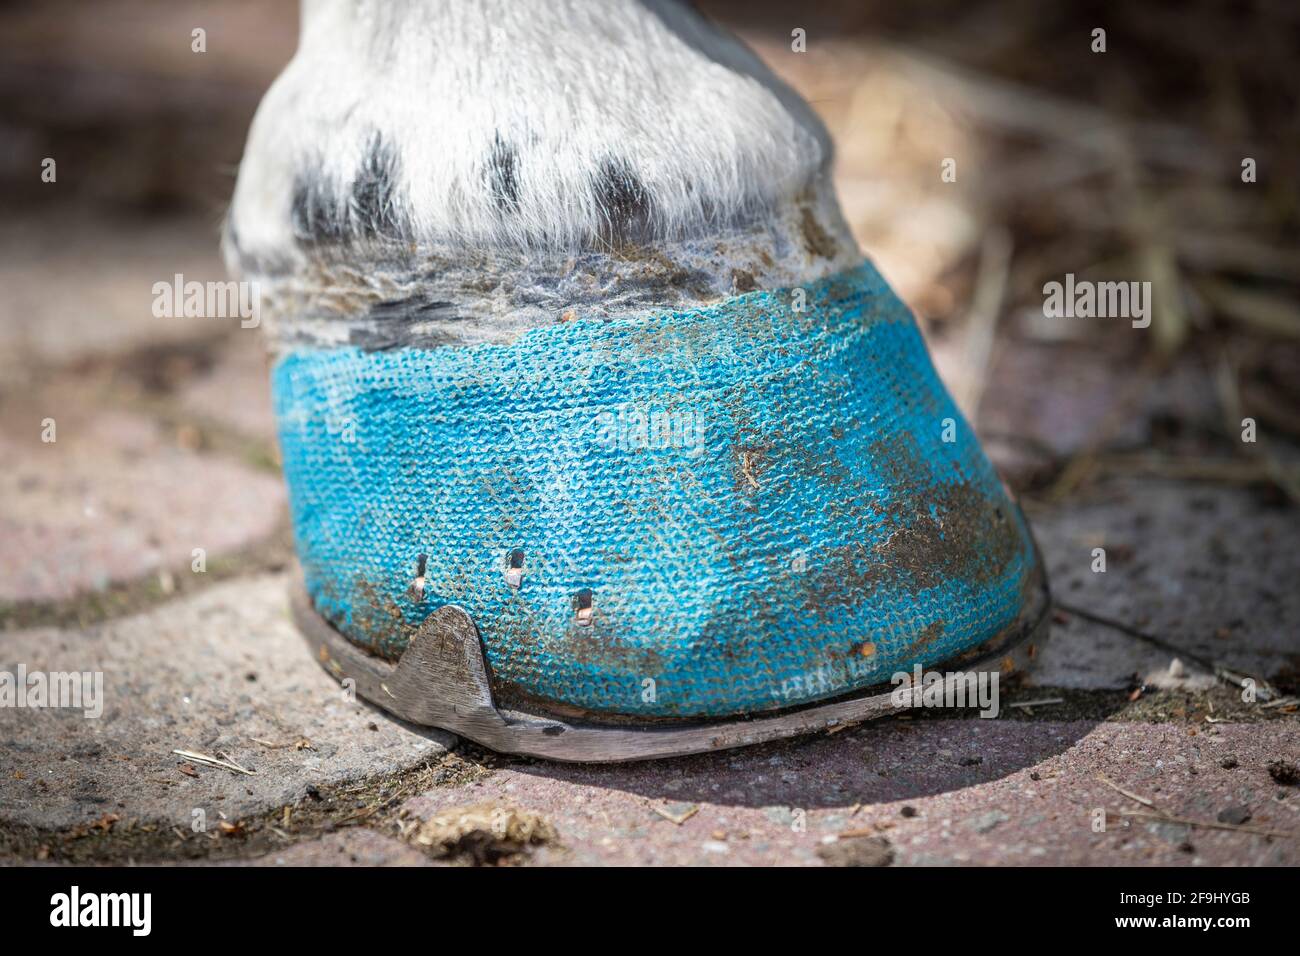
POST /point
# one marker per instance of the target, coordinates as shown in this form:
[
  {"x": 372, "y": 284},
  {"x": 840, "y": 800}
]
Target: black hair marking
[
  {"x": 374, "y": 209},
  {"x": 503, "y": 175},
  {"x": 625, "y": 204},
  {"x": 316, "y": 215}
]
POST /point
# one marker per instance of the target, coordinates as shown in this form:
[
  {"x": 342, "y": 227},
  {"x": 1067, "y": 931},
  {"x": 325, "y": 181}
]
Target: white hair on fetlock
[{"x": 485, "y": 166}]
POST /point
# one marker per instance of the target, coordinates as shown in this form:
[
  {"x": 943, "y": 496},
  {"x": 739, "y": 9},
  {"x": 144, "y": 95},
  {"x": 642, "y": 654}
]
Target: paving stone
[
  {"x": 114, "y": 498},
  {"x": 1061, "y": 396},
  {"x": 1209, "y": 570},
  {"x": 236, "y": 390},
  {"x": 1087, "y": 656},
  {"x": 1043, "y": 402},
  {"x": 213, "y": 673},
  {"x": 108, "y": 310},
  {"x": 783, "y": 804}
]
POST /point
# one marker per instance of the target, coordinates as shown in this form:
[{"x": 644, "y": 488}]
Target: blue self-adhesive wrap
[{"x": 726, "y": 510}]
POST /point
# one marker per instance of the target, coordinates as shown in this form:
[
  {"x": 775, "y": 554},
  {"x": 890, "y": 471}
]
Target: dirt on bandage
[
  {"x": 379, "y": 618},
  {"x": 968, "y": 535},
  {"x": 942, "y": 531},
  {"x": 816, "y": 239}
]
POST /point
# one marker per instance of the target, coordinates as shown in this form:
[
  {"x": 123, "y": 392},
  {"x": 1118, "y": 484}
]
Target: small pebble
[
  {"x": 868, "y": 851},
  {"x": 1236, "y": 815},
  {"x": 987, "y": 821}
]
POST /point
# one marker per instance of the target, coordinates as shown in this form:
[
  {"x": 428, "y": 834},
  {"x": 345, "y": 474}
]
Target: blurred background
[{"x": 1123, "y": 165}]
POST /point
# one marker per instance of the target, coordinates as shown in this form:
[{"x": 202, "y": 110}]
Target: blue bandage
[{"x": 726, "y": 510}]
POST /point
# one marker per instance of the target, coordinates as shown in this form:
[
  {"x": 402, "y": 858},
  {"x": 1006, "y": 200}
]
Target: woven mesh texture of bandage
[{"x": 767, "y": 502}]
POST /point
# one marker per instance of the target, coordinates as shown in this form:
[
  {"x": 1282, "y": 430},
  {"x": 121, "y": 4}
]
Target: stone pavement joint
[
  {"x": 122, "y": 598},
  {"x": 352, "y": 847},
  {"x": 1207, "y": 570},
  {"x": 323, "y": 821},
  {"x": 221, "y": 672},
  {"x": 114, "y": 498}
]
